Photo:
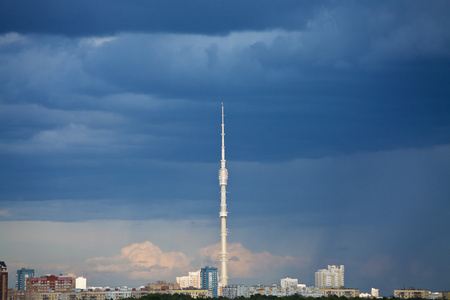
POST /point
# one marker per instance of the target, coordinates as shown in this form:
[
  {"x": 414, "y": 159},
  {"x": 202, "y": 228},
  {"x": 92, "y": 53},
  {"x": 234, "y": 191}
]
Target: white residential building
[
  {"x": 271, "y": 290},
  {"x": 289, "y": 282},
  {"x": 192, "y": 280},
  {"x": 375, "y": 293},
  {"x": 118, "y": 293},
  {"x": 183, "y": 281},
  {"x": 238, "y": 290},
  {"x": 234, "y": 291},
  {"x": 331, "y": 277},
  {"x": 80, "y": 283}
]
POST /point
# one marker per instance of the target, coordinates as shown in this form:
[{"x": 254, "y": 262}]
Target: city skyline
[
  {"x": 338, "y": 139},
  {"x": 203, "y": 280}
]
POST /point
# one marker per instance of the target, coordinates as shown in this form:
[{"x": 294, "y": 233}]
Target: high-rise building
[
  {"x": 332, "y": 277},
  {"x": 209, "y": 280},
  {"x": 223, "y": 178},
  {"x": 3, "y": 281},
  {"x": 21, "y": 278},
  {"x": 49, "y": 283}
]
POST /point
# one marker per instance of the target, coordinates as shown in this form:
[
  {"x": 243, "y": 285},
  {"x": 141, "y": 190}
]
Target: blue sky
[{"x": 337, "y": 139}]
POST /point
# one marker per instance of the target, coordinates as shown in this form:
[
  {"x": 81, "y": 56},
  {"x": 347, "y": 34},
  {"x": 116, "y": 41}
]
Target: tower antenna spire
[{"x": 223, "y": 178}]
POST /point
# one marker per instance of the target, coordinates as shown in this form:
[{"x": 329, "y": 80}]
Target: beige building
[
  {"x": 194, "y": 293},
  {"x": 93, "y": 294},
  {"x": 47, "y": 296},
  {"x": 411, "y": 293},
  {"x": 341, "y": 292},
  {"x": 162, "y": 286},
  {"x": 16, "y": 295},
  {"x": 333, "y": 277},
  {"x": 107, "y": 294},
  {"x": 84, "y": 295},
  {"x": 192, "y": 280}
]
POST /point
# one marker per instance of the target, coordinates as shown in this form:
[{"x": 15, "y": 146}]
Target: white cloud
[
  {"x": 116, "y": 256},
  {"x": 242, "y": 263},
  {"x": 142, "y": 261},
  {"x": 72, "y": 136},
  {"x": 36, "y": 115},
  {"x": 97, "y": 41},
  {"x": 147, "y": 261}
]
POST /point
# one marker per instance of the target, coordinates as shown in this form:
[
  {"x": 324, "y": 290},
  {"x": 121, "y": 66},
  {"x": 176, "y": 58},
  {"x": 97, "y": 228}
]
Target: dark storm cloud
[
  {"x": 337, "y": 123},
  {"x": 280, "y": 77},
  {"x": 89, "y": 18},
  {"x": 355, "y": 78}
]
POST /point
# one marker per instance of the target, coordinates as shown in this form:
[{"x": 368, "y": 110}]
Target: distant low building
[
  {"x": 349, "y": 293},
  {"x": 412, "y": 293},
  {"x": 311, "y": 291},
  {"x": 162, "y": 286},
  {"x": 194, "y": 293},
  {"x": 84, "y": 295},
  {"x": 238, "y": 290},
  {"x": 48, "y": 296},
  {"x": 118, "y": 293},
  {"x": 435, "y": 296},
  {"x": 274, "y": 290},
  {"x": 108, "y": 293},
  {"x": 234, "y": 291}
]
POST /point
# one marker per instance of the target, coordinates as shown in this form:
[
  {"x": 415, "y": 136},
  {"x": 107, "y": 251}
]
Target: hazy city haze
[{"x": 337, "y": 139}]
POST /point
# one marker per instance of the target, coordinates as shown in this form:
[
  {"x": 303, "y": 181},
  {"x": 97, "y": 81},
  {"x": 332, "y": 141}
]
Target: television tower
[{"x": 223, "y": 178}]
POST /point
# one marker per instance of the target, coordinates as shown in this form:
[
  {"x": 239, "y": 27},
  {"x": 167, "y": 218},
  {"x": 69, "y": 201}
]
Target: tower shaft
[{"x": 223, "y": 178}]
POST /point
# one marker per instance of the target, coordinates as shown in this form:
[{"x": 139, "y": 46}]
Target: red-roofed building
[{"x": 48, "y": 284}]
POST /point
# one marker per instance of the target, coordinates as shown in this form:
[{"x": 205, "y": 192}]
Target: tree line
[{"x": 253, "y": 297}]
